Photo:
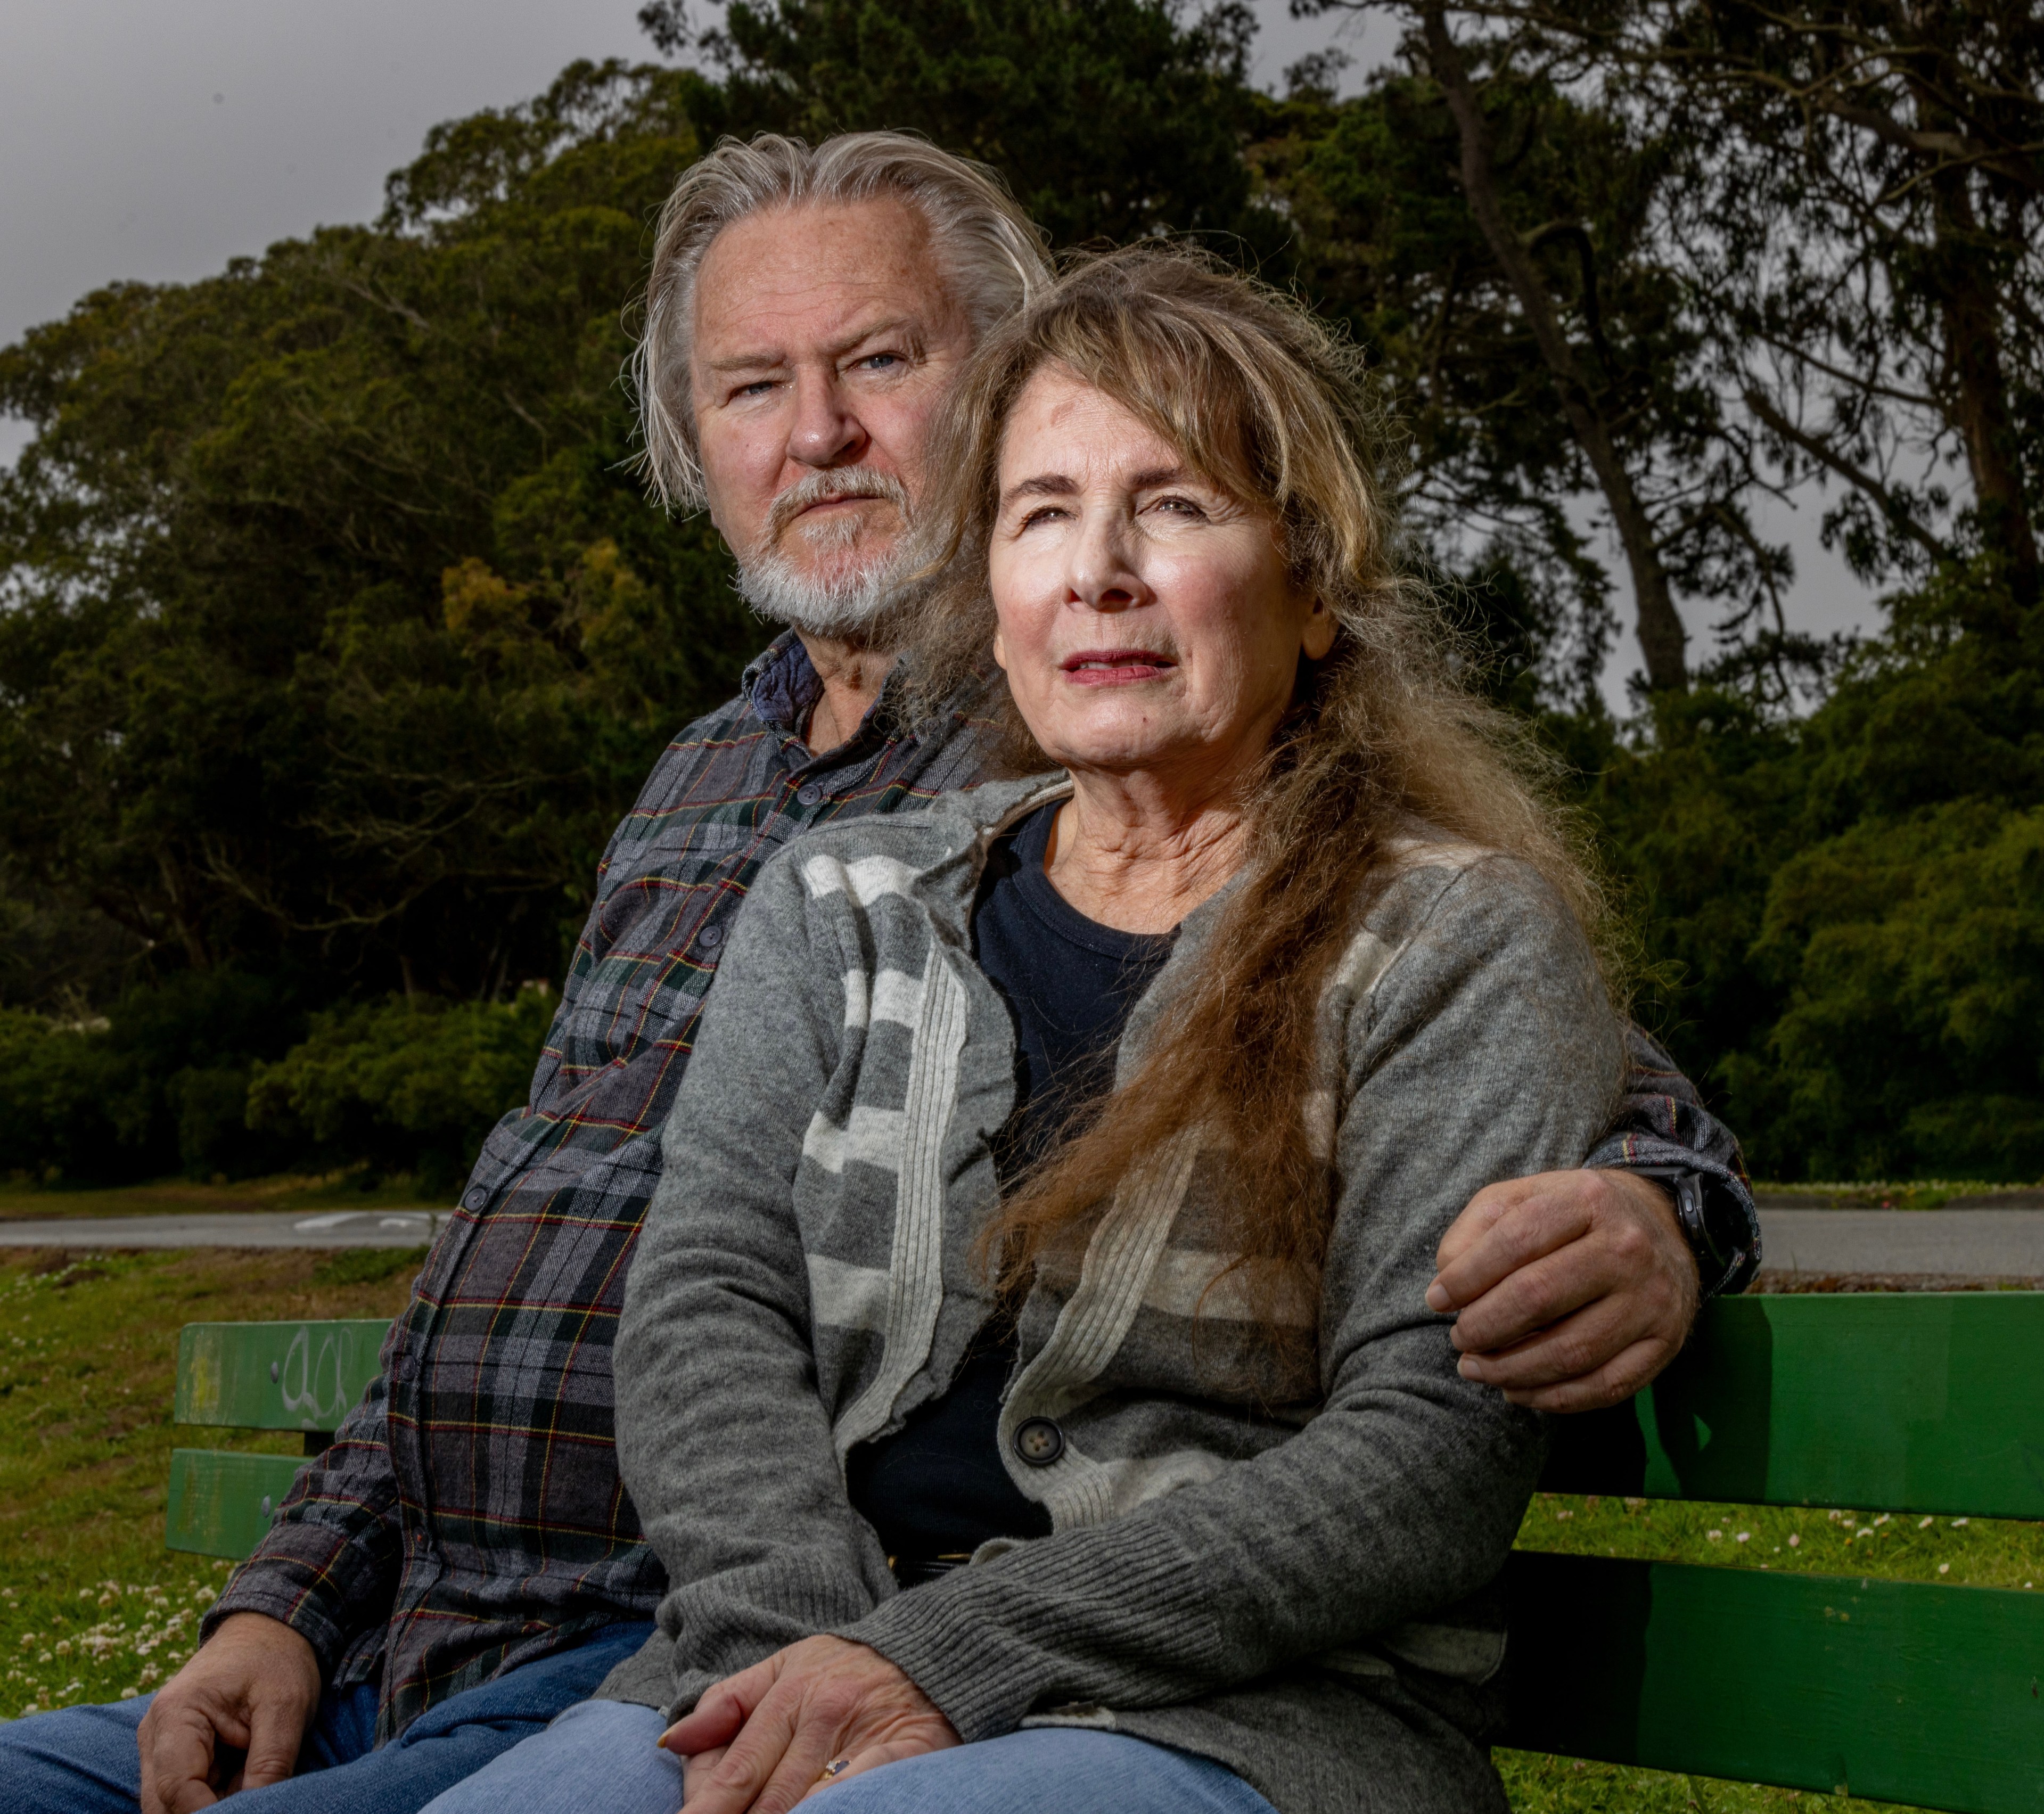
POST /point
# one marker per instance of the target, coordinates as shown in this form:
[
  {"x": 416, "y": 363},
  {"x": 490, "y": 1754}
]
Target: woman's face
[{"x": 1146, "y": 620}]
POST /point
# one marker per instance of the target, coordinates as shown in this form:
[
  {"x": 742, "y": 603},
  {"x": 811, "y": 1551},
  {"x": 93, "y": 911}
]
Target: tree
[
  {"x": 341, "y": 631},
  {"x": 1109, "y": 120},
  {"x": 1860, "y": 216},
  {"x": 1495, "y": 231}
]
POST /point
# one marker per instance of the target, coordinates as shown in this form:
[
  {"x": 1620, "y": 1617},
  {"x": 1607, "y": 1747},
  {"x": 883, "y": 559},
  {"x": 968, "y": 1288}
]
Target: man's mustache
[{"x": 822, "y": 487}]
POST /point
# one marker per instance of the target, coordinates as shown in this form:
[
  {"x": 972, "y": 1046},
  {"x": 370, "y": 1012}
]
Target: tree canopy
[{"x": 337, "y": 630}]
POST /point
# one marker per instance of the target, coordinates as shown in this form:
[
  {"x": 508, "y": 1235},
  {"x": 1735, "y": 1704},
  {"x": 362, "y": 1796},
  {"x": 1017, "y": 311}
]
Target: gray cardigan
[{"x": 1286, "y": 1565}]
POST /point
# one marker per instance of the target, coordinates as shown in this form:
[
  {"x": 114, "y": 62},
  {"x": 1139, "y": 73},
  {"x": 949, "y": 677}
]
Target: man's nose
[{"x": 827, "y": 430}]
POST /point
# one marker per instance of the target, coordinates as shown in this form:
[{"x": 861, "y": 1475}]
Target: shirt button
[
  {"x": 710, "y": 937},
  {"x": 476, "y": 1198},
  {"x": 405, "y": 1367},
  {"x": 809, "y": 793},
  {"x": 1038, "y": 1442}
]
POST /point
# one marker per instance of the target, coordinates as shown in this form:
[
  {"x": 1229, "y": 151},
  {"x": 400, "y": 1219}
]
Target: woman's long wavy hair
[{"x": 1383, "y": 739}]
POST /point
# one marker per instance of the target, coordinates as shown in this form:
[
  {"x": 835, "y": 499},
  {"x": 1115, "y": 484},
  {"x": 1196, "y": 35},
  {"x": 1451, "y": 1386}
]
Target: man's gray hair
[{"x": 992, "y": 252}]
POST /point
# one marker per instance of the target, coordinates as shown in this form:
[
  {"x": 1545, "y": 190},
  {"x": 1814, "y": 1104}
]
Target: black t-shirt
[{"x": 935, "y": 1490}]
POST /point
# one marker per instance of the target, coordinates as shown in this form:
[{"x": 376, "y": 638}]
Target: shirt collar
[{"x": 781, "y": 685}]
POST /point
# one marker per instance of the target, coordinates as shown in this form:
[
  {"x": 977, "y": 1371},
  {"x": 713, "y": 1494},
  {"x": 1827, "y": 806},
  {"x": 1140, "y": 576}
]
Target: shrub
[{"x": 406, "y": 1085}]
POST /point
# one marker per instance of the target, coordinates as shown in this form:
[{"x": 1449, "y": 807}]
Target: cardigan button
[{"x": 1038, "y": 1442}]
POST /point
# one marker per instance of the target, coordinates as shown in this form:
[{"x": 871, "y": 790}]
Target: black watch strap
[{"x": 1719, "y": 1228}]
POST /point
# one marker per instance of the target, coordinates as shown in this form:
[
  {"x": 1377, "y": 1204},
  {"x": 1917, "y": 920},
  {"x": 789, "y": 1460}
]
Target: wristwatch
[{"x": 1723, "y": 1233}]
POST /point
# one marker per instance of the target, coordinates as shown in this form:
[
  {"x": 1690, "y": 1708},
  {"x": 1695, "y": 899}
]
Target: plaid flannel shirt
[{"x": 468, "y": 1517}]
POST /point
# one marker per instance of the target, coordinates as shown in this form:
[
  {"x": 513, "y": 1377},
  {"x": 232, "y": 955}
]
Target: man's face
[{"x": 825, "y": 337}]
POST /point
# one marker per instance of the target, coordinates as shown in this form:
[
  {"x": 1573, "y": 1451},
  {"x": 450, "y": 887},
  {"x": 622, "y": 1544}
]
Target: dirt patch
[
  {"x": 1781, "y": 1281},
  {"x": 67, "y": 1268}
]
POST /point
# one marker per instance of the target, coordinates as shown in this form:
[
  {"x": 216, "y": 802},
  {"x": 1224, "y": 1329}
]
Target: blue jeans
[
  {"x": 83, "y": 1760},
  {"x": 600, "y": 1758}
]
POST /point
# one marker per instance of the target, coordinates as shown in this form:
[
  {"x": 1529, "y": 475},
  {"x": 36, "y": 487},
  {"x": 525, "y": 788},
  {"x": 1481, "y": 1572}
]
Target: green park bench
[
  {"x": 258, "y": 1376},
  {"x": 1900, "y": 1691}
]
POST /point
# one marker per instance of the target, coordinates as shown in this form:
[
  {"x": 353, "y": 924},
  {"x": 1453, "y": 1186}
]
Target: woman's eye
[
  {"x": 1043, "y": 513},
  {"x": 1179, "y": 506}
]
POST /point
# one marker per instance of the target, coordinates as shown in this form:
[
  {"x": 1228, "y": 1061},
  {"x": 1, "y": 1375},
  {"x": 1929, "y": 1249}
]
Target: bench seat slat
[
  {"x": 1925, "y": 1401},
  {"x": 275, "y": 1376},
  {"x": 221, "y": 1502},
  {"x": 1899, "y": 1691}
]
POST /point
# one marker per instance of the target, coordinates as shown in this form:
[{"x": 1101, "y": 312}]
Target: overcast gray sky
[{"x": 141, "y": 139}]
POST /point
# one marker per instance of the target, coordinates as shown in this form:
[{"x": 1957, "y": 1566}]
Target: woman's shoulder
[
  {"x": 885, "y": 852},
  {"x": 1445, "y": 906}
]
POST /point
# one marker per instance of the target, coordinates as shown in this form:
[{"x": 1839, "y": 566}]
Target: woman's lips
[{"x": 1115, "y": 668}]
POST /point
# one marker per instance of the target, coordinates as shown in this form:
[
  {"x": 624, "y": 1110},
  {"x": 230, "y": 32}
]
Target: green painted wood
[
  {"x": 1915, "y": 1401},
  {"x": 275, "y": 1376},
  {"x": 1899, "y": 1691},
  {"x": 221, "y": 1503}
]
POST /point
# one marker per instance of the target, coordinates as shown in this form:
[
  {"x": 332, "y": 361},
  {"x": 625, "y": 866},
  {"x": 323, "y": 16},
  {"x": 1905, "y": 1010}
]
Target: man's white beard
[{"x": 838, "y": 597}]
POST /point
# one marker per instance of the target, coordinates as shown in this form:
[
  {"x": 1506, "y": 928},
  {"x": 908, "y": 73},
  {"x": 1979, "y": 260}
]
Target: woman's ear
[
  {"x": 999, "y": 652},
  {"x": 1317, "y": 635}
]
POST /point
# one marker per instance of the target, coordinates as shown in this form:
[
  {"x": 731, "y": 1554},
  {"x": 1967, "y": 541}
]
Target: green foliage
[
  {"x": 1111, "y": 120},
  {"x": 409, "y": 1085},
  {"x": 158, "y": 1084},
  {"x": 1845, "y": 907},
  {"x": 264, "y": 705}
]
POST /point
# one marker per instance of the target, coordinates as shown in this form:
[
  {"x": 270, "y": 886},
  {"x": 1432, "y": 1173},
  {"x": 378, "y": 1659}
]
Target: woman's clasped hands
[{"x": 763, "y": 1739}]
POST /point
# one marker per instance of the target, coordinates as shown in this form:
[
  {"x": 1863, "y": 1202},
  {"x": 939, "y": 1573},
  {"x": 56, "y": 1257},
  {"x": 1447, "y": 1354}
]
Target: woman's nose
[{"x": 1103, "y": 573}]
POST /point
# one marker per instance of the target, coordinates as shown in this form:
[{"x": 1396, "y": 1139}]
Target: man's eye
[
  {"x": 878, "y": 361},
  {"x": 758, "y": 387}
]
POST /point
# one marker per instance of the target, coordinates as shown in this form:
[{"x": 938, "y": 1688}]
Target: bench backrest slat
[
  {"x": 221, "y": 1503},
  {"x": 275, "y": 1376},
  {"x": 1899, "y": 1691},
  {"x": 1925, "y": 1401}
]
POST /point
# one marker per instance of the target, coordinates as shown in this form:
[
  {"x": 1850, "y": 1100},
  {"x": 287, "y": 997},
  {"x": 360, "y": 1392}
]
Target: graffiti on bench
[{"x": 275, "y": 1376}]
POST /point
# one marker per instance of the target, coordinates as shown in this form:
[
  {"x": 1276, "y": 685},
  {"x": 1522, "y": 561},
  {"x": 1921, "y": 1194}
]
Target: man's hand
[
  {"x": 1572, "y": 1289},
  {"x": 252, "y": 1688},
  {"x": 779, "y": 1723}
]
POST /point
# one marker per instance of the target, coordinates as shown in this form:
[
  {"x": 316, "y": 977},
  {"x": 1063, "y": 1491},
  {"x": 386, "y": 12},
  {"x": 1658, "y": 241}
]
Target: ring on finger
[{"x": 835, "y": 1769}]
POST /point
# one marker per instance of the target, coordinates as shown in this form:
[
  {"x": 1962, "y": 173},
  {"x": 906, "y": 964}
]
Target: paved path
[
  {"x": 1969, "y": 1243},
  {"x": 1976, "y": 1243},
  {"x": 333, "y": 1228}
]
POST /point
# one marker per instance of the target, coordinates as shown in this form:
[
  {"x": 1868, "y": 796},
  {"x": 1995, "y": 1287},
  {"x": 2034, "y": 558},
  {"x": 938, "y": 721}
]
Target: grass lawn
[{"x": 92, "y": 1606}]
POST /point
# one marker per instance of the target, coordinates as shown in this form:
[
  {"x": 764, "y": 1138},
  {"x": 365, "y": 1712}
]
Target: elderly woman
[{"x": 1026, "y": 1375}]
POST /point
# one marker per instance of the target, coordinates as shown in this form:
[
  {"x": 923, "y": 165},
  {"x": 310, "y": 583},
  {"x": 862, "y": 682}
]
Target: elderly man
[{"x": 464, "y": 1564}]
